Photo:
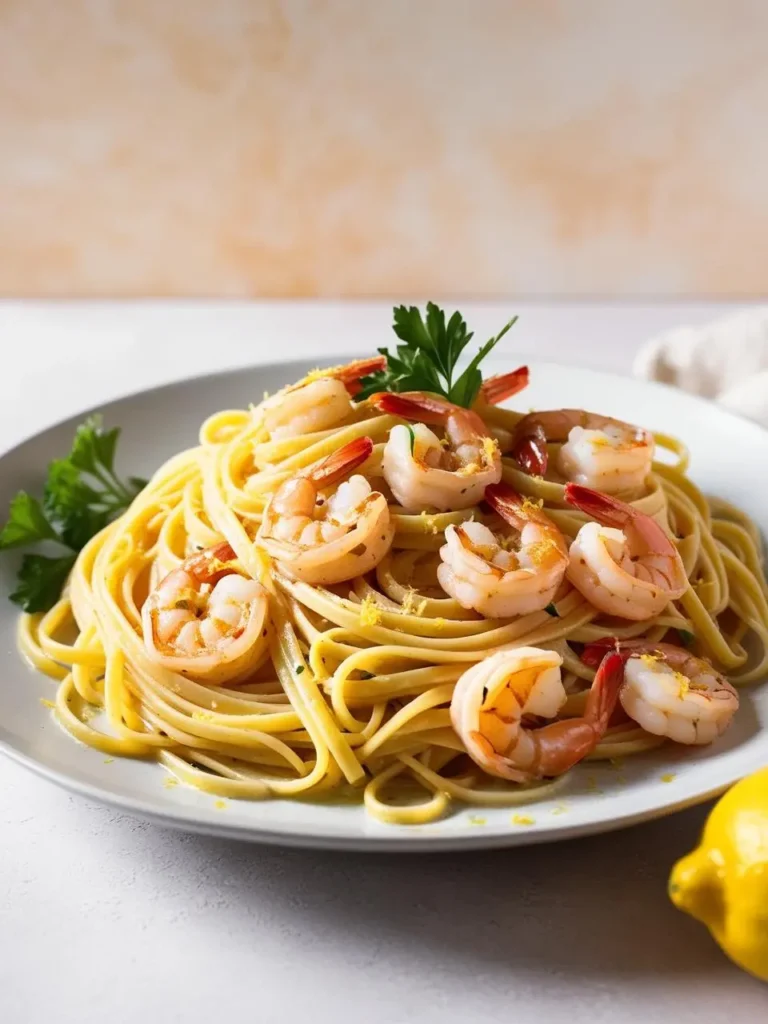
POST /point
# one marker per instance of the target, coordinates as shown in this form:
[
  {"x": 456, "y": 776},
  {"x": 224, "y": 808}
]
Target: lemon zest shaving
[
  {"x": 650, "y": 660},
  {"x": 47, "y": 703},
  {"x": 170, "y": 781},
  {"x": 475, "y": 819},
  {"x": 317, "y": 374},
  {"x": 683, "y": 685},
  {"x": 429, "y": 522},
  {"x": 370, "y": 613},
  {"x": 523, "y": 819},
  {"x": 490, "y": 449},
  {"x": 220, "y": 805},
  {"x": 541, "y": 551},
  {"x": 668, "y": 777},
  {"x": 529, "y": 505},
  {"x": 409, "y": 605}
]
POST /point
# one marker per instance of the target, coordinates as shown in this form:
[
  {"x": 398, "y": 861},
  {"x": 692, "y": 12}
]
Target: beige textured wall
[{"x": 370, "y": 147}]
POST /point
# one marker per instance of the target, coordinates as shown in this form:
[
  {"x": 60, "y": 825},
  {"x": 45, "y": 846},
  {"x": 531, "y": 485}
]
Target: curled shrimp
[
  {"x": 206, "y": 621},
  {"x": 420, "y": 470},
  {"x": 319, "y": 402},
  {"x": 670, "y": 692},
  {"x": 492, "y": 700},
  {"x": 480, "y": 571},
  {"x": 625, "y": 564},
  {"x": 599, "y": 452},
  {"x": 325, "y": 539}
]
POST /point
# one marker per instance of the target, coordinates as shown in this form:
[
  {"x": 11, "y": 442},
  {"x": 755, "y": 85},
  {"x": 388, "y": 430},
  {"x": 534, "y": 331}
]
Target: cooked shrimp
[
  {"x": 326, "y": 540},
  {"x": 670, "y": 692},
  {"x": 319, "y": 402},
  {"x": 205, "y": 620},
  {"x": 480, "y": 571},
  {"x": 625, "y": 564},
  {"x": 493, "y": 698},
  {"x": 606, "y": 454},
  {"x": 420, "y": 471}
]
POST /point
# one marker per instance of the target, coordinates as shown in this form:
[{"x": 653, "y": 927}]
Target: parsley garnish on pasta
[{"x": 428, "y": 358}]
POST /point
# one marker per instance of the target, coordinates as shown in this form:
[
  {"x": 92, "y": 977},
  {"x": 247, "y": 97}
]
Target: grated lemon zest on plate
[
  {"x": 170, "y": 781},
  {"x": 220, "y": 805},
  {"x": 47, "y": 703},
  {"x": 475, "y": 819},
  {"x": 523, "y": 819},
  {"x": 668, "y": 777}
]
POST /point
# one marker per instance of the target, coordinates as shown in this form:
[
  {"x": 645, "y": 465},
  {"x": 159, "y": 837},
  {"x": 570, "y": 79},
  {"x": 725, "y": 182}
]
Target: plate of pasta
[{"x": 401, "y": 602}]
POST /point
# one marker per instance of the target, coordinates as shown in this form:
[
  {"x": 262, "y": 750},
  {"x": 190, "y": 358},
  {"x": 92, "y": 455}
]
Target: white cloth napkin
[{"x": 726, "y": 360}]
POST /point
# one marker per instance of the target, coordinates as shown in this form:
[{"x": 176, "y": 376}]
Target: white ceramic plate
[{"x": 729, "y": 456}]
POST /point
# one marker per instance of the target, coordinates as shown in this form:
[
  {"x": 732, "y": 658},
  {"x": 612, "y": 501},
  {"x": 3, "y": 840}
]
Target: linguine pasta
[{"x": 352, "y": 695}]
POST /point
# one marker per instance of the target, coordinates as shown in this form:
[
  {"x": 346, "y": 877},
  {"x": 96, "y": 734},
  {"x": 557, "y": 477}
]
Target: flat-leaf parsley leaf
[
  {"x": 82, "y": 495},
  {"x": 427, "y": 360}
]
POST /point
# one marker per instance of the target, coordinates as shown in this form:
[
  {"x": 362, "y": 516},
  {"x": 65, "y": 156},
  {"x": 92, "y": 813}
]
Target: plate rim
[{"x": 402, "y": 839}]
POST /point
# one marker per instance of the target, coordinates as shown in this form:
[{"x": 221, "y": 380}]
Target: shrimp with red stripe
[
  {"x": 323, "y": 534},
  {"x": 422, "y": 470},
  {"x": 205, "y": 620},
  {"x": 318, "y": 402},
  {"x": 484, "y": 571},
  {"x": 495, "y": 701},
  {"x": 606, "y": 454},
  {"x": 624, "y": 563},
  {"x": 668, "y": 691}
]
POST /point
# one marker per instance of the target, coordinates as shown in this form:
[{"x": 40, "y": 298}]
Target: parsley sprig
[
  {"x": 82, "y": 495},
  {"x": 427, "y": 360}
]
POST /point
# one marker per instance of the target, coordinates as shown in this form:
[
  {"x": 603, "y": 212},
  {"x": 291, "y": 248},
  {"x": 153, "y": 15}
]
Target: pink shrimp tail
[
  {"x": 505, "y": 501},
  {"x": 563, "y": 744},
  {"x": 210, "y": 564},
  {"x": 530, "y": 452},
  {"x": 413, "y": 405},
  {"x": 595, "y": 651},
  {"x": 598, "y": 652},
  {"x": 352, "y": 374},
  {"x": 342, "y": 462},
  {"x": 649, "y": 535},
  {"x": 606, "y": 510},
  {"x": 604, "y": 694},
  {"x": 504, "y": 385}
]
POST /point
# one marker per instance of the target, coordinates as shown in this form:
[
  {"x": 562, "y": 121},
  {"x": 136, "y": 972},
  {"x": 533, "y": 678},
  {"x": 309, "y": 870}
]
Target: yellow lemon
[{"x": 724, "y": 882}]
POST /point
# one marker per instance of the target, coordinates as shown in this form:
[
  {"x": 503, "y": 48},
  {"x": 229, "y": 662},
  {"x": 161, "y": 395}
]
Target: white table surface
[{"x": 104, "y": 918}]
